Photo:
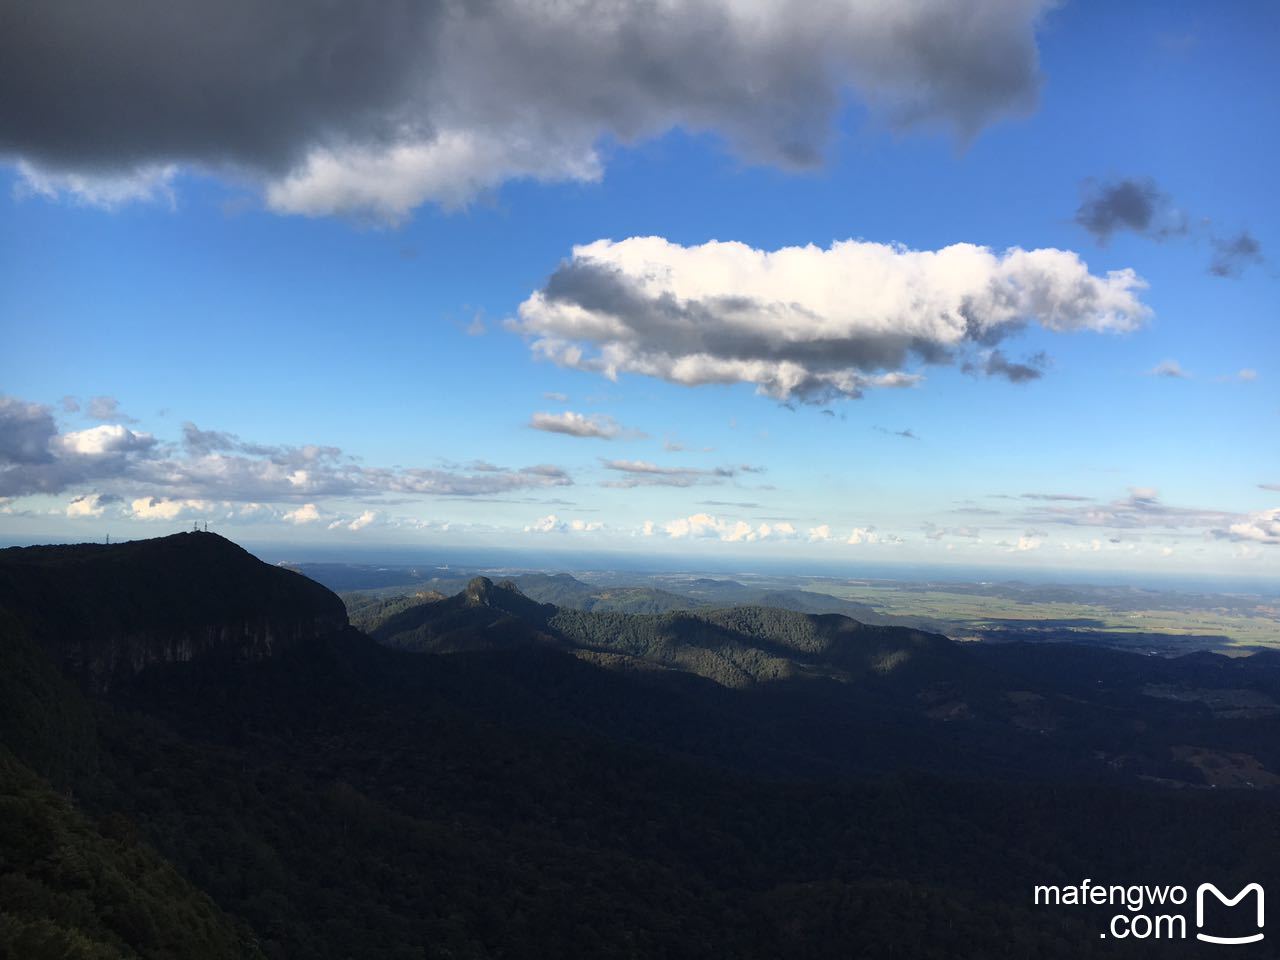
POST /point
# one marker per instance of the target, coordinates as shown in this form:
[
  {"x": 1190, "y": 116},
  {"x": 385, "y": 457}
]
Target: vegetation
[{"x": 572, "y": 784}]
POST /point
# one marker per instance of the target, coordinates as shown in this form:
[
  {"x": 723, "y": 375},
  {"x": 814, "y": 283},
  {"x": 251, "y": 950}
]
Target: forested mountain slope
[{"x": 517, "y": 792}]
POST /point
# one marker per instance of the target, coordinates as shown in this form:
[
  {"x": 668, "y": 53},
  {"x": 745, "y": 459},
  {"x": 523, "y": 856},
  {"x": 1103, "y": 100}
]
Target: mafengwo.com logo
[{"x": 1159, "y": 912}]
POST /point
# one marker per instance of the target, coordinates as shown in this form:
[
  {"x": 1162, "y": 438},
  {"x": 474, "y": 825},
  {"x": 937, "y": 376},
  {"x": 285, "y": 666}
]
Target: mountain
[
  {"x": 503, "y": 778},
  {"x": 106, "y": 612},
  {"x": 484, "y": 616}
]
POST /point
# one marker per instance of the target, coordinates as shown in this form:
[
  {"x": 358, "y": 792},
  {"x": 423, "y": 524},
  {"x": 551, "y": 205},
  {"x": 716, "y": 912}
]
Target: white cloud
[
  {"x": 449, "y": 170},
  {"x": 804, "y": 322},
  {"x": 307, "y": 513},
  {"x": 709, "y": 526},
  {"x": 156, "y": 508},
  {"x": 359, "y": 523},
  {"x": 597, "y": 425},
  {"x": 863, "y": 535},
  {"x": 820, "y": 534},
  {"x": 109, "y": 438},
  {"x": 362, "y": 521},
  {"x": 151, "y": 184},
  {"x": 553, "y": 524},
  {"x": 88, "y": 506},
  {"x": 1260, "y": 527}
]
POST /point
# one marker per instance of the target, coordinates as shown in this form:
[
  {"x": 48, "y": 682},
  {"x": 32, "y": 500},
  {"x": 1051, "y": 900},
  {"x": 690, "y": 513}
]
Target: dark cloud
[
  {"x": 379, "y": 105},
  {"x": 1136, "y": 205},
  {"x": 996, "y": 364},
  {"x": 1141, "y": 207},
  {"x": 104, "y": 87},
  {"x": 26, "y": 430},
  {"x": 1232, "y": 255}
]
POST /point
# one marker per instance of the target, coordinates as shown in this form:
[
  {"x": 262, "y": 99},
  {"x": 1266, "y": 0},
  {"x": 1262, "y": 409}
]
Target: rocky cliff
[{"x": 106, "y": 612}]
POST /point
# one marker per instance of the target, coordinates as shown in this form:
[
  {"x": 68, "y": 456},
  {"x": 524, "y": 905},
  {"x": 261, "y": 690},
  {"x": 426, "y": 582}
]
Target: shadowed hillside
[
  {"x": 106, "y": 612},
  {"x": 543, "y": 782}
]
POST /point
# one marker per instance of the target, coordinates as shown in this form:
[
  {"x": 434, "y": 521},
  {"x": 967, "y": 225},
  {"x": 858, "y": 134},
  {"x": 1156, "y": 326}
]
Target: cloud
[
  {"x": 994, "y": 363},
  {"x": 556, "y": 397},
  {"x": 1232, "y": 255},
  {"x": 642, "y": 473},
  {"x": 709, "y": 526},
  {"x": 157, "y": 508},
  {"x": 373, "y": 108},
  {"x": 1027, "y": 542},
  {"x": 597, "y": 425},
  {"x": 1068, "y": 497},
  {"x": 107, "y": 408},
  {"x": 90, "y": 505},
  {"x": 35, "y": 458},
  {"x": 869, "y": 535},
  {"x": 1133, "y": 204},
  {"x": 148, "y": 184},
  {"x": 214, "y": 465},
  {"x": 820, "y": 534},
  {"x": 1269, "y": 486},
  {"x": 804, "y": 323},
  {"x": 906, "y": 434},
  {"x": 934, "y": 532},
  {"x": 307, "y": 513},
  {"x": 362, "y": 521},
  {"x": 70, "y": 404},
  {"x": 107, "y": 440},
  {"x": 1260, "y": 527},
  {"x": 1142, "y": 508},
  {"x": 1169, "y": 368},
  {"x": 1245, "y": 375},
  {"x": 553, "y": 524},
  {"x": 26, "y": 431},
  {"x": 354, "y": 525}
]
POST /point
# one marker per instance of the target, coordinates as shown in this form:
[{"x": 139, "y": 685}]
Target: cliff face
[{"x": 106, "y": 612}]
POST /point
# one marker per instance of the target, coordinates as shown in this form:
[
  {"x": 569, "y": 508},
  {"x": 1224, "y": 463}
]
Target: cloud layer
[
  {"x": 375, "y": 107},
  {"x": 212, "y": 465},
  {"x": 806, "y": 323}
]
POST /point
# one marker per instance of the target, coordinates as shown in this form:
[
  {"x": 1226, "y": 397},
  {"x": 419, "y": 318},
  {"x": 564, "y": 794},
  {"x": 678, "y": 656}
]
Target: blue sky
[{"x": 357, "y": 354}]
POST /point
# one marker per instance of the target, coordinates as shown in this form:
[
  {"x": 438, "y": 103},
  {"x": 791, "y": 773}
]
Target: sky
[{"x": 979, "y": 284}]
